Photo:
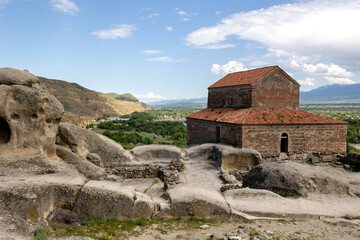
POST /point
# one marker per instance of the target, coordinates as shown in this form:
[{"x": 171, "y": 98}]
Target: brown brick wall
[
  {"x": 230, "y": 96},
  {"x": 275, "y": 91},
  {"x": 200, "y": 131},
  {"x": 325, "y": 139}
]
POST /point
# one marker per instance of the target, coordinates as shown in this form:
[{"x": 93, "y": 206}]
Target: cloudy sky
[{"x": 165, "y": 49}]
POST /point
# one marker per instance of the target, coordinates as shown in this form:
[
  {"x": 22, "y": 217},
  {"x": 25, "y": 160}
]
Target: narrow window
[
  {"x": 223, "y": 102},
  {"x": 284, "y": 143},
  {"x": 5, "y": 132},
  {"x": 217, "y": 135}
]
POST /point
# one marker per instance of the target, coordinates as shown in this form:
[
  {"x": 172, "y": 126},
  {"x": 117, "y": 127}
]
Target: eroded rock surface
[
  {"x": 295, "y": 179},
  {"x": 29, "y": 115},
  {"x": 82, "y": 142}
]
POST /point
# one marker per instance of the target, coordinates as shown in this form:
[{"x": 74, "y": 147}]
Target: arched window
[
  {"x": 5, "y": 132},
  {"x": 284, "y": 143}
]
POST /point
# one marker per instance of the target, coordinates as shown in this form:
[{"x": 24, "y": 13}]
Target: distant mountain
[
  {"x": 181, "y": 102},
  {"x": 80, "y": 101},
  {"x": 335, "y": 94}
]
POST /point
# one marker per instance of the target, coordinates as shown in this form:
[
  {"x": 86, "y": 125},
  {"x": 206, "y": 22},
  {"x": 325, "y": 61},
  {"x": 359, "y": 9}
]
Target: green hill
[{"x": 123, "y": 97}]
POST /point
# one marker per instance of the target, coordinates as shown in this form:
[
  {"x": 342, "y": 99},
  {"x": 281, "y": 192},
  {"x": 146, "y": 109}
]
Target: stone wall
[
  {"x": 321, "y": 138},
  {"x": 230, "y": 96},
  {"x": 200, "y": 131},
  {"x": 275, "y": 91}
]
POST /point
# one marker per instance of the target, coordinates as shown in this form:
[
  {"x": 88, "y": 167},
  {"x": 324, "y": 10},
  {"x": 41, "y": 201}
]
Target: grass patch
[
  {"x": 115, "y": 229},
  {"x": 40, "y": 234}
]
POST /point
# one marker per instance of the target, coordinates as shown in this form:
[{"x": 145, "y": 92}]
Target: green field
[{"x": 165, "y": 125}]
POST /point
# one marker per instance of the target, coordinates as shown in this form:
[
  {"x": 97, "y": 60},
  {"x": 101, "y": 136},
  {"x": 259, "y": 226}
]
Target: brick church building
[{"x": 259, "y": 108}]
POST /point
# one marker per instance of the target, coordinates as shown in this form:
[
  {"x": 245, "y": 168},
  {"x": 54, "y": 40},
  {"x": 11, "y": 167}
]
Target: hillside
[
  {"x": 334, "y": 94},
  {"x": 80, "y": 101},
  {"x": 124, "y": 97}
]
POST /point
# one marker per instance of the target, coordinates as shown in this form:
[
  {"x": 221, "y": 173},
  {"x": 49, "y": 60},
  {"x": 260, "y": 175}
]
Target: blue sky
[{"x": 164, "y": 49}]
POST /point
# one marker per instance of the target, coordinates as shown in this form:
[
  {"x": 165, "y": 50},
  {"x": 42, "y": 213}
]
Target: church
[{"x": 259, "y": 108}]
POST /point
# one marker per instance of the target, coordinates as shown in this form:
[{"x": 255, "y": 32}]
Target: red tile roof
[
  {"x": 251, "y": 116},
  {"x": 243, "y": 77}
]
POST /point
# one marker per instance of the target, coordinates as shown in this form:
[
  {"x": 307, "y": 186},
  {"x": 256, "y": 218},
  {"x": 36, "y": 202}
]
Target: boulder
[
  {"x": 29, "y": 119},
  {"x": 189, "y": 201},
  {"x": 85, "y": 167},
  {"x": 157, "y": 152},
  {"x": 34, "y": 197},
  {"x": 11, "y": 76},
  {"x": 295, "y": 179},
  {"x": 82, "y": 142},
  {"x": 103, "y": 199}
]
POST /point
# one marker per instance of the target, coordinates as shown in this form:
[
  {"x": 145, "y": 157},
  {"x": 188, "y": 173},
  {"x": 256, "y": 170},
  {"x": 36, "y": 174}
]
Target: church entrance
[
  {"x": 284, "y": 143},
  {"x": 5, "y": 132}
]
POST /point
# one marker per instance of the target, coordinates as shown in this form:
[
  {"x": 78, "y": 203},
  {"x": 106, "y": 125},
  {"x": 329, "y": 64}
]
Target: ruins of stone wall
[
  {"x": 275, "y": 91},
  {"x": 200, "y": 132},
  {"x": 230, "y": 96},
  {"x": 319, "y": 138}
]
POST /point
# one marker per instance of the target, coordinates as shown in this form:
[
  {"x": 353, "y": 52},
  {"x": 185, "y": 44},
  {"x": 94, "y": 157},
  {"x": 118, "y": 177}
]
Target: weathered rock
[
  {"x": 157, "y": 152},
  {"x": 83, "y": 141},
  {"x": 95, "y": 159},
  {"x": 103, "y": 199},
  {"x": 352, "y": 159},
  {"x": 197, "y": 202},
  {"x": 11, "y": 76},
  {"x": 294, "y": 179},
  {"x": 228, "y": 157},
  {"x": 12, "y": 227},
  {"x": 242, "y": 193},
  {"x": 63, "y": 218},
  {"x": 228, "y": 178},
  {"x": 85, "y": 167},
  {"x": 29, "y": 119},
  {"x": 36, "y": 197}
]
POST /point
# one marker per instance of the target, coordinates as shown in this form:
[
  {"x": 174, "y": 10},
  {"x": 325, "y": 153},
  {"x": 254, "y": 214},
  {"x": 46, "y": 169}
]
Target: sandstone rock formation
[
  {"x": 83, "y": 142},
  {"x": 295, "y": 179},
  {"x": 29, "y": 115}
]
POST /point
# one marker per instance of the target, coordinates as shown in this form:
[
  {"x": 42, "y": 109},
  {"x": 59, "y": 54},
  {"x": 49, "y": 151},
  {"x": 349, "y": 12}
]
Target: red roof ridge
[
  {"x": 251, "y": 116},
  {"x": 246, "y": 77}
]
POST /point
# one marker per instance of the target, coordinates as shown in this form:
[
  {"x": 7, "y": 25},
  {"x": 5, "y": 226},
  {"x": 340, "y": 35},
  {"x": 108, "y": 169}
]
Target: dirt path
[{"x": 283, "y": 229}]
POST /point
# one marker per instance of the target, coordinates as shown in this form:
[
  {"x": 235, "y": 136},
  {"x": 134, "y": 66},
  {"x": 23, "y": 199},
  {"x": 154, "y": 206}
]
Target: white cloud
[
  {"x": 218, "y": 46},
  {"x": 323, "y": 27},
  {"x": 150, "y": 52},
  {"x": 154, "y": 15},
  {"x": 330, "y": 72},
  {"x": 65, "y": 6},
  {"x": 218, "y": 12},
  {"x": 164, "y": 59},
  {"x": 149, "y": 97},
  {"x": 339, "y": 80},
  {"x": 307, "y": 82},
  {"x": 231, "y": 66},
  {"x": 184, "y": 15},
  {"x": 169, "y": 28},
  {"x": 122, "y": 31},
  {"x": 3, "y": 2}
]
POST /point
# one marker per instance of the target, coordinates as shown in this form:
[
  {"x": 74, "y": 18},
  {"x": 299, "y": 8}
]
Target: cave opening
[{"x": 5, "y": 132}]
